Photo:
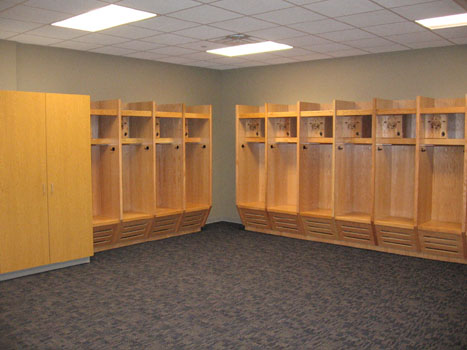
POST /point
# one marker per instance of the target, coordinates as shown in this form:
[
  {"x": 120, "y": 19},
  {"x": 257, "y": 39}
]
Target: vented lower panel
[
  {"x": 398, "y": 238},
  {"x": 319, "y": 227},
  {"x": 104, "y": 235},
  {"x": 134, "y": 230},
  {"x": 355, "y": 232},
  {"x": 254, "y": 218},
  {"x": 438, "y": 243},
  {"x": 165, "y": 225},
  {"x": 285, "y": 223},
  {"x": 193, "y": 221}
]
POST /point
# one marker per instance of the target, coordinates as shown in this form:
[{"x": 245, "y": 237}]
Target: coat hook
[
  {"x": 305, "y": 147},
  {"x": 340, "y": 148},
  {"x": 112, "y": 149},
  {"x": 380, "y": 148},
  {"x": 243, "y": 146},
  {"x": 146, "y": 148},
  {"x": 204, "y": 146},
  {"x": 177, "y": 147}
]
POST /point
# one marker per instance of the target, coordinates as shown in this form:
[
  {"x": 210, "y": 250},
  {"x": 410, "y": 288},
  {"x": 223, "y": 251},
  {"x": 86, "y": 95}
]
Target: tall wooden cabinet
[
  {"x": 151, "y": 167},
  {"x": 387, "y": 175},
  {"x": 45, "y": 179}
]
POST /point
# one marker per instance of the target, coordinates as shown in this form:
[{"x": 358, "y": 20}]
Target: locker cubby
[
  {"x": 197, "y": 164},
  {"x": 282, "y": 183},
  {"x": 442, "y": 121},
  {"x": 169, "y": 179},
  {"x": 441, "y": 189},
  {"x": 395, "y": 121},
  {"x": 251, "y": 175},
  {"x": 315, "y": 195},
  {"x": 395, "y": 185},
  {"x": 353, "y": 178},
  {"x": 316, "y": 122},
  {"x": 105, "y": 157},
  {"x": 354, "y": 122},
  {"x": 105, "y": 184},
  {"x": 282, "y": 122},
  {"x": 198, "y": 180},
  {"x": 169, "y": 123},
  {"x": 137, "y": 181}
]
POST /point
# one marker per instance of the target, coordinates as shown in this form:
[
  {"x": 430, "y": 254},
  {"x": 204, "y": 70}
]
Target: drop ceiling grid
[{"x": 185, "y": 29}]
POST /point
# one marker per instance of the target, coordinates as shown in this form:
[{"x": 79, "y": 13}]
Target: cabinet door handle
[
  {"x": 52, "y": 188},
  {"x": 43, "y": 189}
]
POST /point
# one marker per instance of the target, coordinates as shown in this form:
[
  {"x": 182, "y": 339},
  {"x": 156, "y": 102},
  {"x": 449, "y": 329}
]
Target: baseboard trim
[
  {"x": 224, "y": 219},
  {"x": 44, "y": 268}
]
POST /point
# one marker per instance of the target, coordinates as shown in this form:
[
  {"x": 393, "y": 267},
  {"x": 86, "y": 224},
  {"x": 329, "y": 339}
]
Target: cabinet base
[
  {"x": 44, "y": 268},
  {"x": 456, "y": 259}
]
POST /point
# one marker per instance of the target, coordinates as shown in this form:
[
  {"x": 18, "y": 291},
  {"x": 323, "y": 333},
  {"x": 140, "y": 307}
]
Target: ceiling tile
[
  {"x": 290, "y": 15},
  {"x": 371, "y": 18},
  {"x": 369, "y": 42},
  {"x": 74, "y": 7},
  {"x": 165, "y": 24},
  {"x": 312, "y": 56},
  {"x": 17, "y": 26},
  {"x": 335, "y": 8},
  {"x": 146, "y": 55},
  {"x": 292, "y": 52},
  {"x": 202, "y": 45},
  {"x": 243, "y": 24},
  {"x": 176, "y": 60},
  {"x": 159, "y": 6},
  {"x": 249, "y": 7},
  {"x": 324, "y": 48},
  {"x": 57, "y": 32},
  {"x": 32, "y": 14},
  {"x": 303, "y": 2},
  {"x": 204, "y": 32},
  {"x": 276, "y": 33},
  {"x": 4, "y": 4},
  {"x": 317, "y": 27},
  {"x": 112, "y": 50},
  {"x": 137, "y": 45},
  {"x": 346, "y": 53},
  {"x": 426, "y": 44},
  {"x": 344, "y": 35},
  {"x": 450, "y": 33},
  {"x": 388, "y": 48},
  {"x": 75, "y": 45},
  {"x": 6, "y": 34},
  {"x": 199, "y": 56},
  {"x": 410, "y": 38},
  {"x": 205, "y": 14},
  {"x": 130, "y": 32},
  {"x": 280, "y": 60},
  {"x": 430, "y": 9},
  {"x": 172, "y": 51},
  {"x": 169, "y": 39},
  {"x": 34, "y": 39},
  {"x": 398, "y": 3},
  {"x": 305, "y": 41},
  {"x": 395, "y": 28},
  {"x": 101, "y": 39}
]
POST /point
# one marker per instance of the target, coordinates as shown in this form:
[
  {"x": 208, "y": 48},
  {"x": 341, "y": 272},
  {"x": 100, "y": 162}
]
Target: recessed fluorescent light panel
[
  {"x": 249, "y": 49},
  {"x": 444, "y": 22},
  {"x": 103, "y": 18}
]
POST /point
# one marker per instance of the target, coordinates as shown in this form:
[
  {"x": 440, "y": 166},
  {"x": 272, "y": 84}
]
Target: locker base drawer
[
  {"x": 254, "y": 218},
  {"x": 445, "y": 244},
  {"x": 104, "y": 236},
  {"x": 286, "y": 223},
  {"x": 321, "y": 228},
  {"x": 193, "y": 220},
  {"x": 355, "y": 232},
  {"x": 397, "y": 238},
  {"x": 165, "y": 225}
]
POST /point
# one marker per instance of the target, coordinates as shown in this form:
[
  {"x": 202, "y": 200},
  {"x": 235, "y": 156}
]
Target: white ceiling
[{"x": 185, "y": 29}]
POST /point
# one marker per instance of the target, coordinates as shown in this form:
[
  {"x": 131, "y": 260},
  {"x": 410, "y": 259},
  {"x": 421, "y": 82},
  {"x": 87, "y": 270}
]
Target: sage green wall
[
  {"x": 438, "y": 72},
  {"x": 7, "y": 65}
]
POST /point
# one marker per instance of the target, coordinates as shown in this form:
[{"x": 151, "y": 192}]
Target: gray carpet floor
[{"x": 226, "y": 288}]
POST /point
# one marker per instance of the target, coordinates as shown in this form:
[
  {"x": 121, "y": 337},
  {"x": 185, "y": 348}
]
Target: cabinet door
[
  {"x": 24, "y": 239},
  {"x": 69, "y": 176}
]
